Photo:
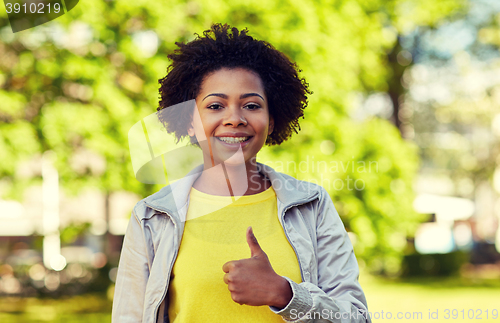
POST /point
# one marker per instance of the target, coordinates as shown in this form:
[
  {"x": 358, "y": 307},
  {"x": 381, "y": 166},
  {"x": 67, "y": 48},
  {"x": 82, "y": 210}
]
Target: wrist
[{"x": 283, "y": 294}]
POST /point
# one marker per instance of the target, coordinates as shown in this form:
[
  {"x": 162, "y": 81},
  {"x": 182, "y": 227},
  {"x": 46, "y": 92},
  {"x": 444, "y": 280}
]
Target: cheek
[
  {"x": 264, "y": 129},
  {"x": 198, "y": 125}
]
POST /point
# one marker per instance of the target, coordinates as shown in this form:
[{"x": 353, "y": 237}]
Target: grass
[
  {"x": 437, "y": 299},
  {"x": 410, "y": 297},
  {"x": 77, "y": 309}
]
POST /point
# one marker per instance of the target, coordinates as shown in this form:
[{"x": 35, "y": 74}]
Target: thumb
[{"x": 255, "y": 248}]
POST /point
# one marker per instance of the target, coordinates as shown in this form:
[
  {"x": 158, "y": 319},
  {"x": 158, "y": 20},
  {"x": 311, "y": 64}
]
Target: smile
[{"x": 233, "y": 140}]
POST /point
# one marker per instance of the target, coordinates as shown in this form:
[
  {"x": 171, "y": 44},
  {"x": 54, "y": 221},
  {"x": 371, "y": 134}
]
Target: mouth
[{"x": 234, "y": 140}]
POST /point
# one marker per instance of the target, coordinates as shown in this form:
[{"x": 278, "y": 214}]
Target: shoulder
[
  {"x": 291, "y": 189},
  {"x": 142, "y": 210}
]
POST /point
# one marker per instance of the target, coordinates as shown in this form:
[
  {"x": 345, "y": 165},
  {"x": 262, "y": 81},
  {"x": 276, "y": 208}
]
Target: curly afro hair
[{"x": 226, "y": 47}]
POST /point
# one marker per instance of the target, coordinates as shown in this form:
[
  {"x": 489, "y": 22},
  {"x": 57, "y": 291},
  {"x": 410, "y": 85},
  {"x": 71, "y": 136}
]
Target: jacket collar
[
  {"x": 288, "y": 189},
  {"x": 173, "y": 199}
]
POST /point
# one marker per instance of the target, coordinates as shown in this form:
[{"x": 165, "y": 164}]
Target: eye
[
  {"x": 215, "y": 106},
  {"x": 252, "y": 106}
]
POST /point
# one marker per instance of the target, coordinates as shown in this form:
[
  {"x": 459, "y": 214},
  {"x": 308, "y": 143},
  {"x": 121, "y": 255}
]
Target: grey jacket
[{"x": 329, "y": 291}]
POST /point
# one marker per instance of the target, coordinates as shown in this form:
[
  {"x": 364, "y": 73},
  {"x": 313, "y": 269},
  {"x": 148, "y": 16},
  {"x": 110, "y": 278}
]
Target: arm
[
  {"x": 338, "y": 297},
  {"x": 133, "y": 273}
]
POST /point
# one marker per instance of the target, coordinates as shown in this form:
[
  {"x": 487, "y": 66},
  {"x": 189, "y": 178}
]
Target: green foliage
[
  {"x": 73, "y": 231},
  {"x": 79, "y": 90}
]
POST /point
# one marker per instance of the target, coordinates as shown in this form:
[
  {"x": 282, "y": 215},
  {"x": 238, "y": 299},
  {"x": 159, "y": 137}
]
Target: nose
[{"x": 234, "y": 117}]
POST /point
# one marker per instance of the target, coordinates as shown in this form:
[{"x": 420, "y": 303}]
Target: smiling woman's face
[{"x": 233, "y": 113}]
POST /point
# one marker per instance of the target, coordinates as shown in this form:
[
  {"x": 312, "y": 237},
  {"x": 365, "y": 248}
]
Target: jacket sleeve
[
  {"x": 338, "y": 297},
  {"x": 132, "y": 276}
]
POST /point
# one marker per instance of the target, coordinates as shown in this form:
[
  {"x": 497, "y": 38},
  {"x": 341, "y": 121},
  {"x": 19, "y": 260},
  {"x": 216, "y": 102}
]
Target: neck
[{"x": 231, "y": 180}]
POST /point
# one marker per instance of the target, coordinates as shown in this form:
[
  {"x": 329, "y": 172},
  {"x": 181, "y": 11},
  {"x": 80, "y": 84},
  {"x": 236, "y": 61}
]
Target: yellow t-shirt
[{"x": 197, "y": 292}]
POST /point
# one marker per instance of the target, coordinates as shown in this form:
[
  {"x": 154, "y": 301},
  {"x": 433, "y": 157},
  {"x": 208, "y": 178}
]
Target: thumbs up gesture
[{"x": 253, "y": 281}]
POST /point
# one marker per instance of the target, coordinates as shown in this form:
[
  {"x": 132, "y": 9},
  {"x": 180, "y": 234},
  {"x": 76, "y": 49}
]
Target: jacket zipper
[
  {"x": 171, "y": 263},
  {"x": 286, "y": 233}
]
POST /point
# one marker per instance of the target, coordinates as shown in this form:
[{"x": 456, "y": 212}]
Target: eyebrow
[{"x": 243, "y": 96}]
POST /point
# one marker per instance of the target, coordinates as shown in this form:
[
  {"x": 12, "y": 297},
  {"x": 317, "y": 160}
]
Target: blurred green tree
[
  {"x": 454, "y": 95},
  {"x": 76, "y": 85}
]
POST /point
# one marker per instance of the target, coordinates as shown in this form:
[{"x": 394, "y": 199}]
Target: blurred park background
[{"x": 403, "y": 130}]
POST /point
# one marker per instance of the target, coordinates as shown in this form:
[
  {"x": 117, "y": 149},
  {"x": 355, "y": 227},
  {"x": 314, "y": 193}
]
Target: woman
[{"x": 190, "y": 253}]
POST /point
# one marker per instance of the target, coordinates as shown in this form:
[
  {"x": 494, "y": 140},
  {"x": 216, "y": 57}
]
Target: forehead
[{"x": 234, "y": 80}]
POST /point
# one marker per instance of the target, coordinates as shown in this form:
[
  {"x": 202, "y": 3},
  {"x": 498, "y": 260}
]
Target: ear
[{"x": 271, "y": 125}]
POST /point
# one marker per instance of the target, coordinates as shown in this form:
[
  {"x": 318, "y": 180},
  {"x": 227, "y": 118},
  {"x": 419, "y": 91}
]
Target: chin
[
  {"x": 234, "y": 162},
  {"x": 236, "y": 159}
]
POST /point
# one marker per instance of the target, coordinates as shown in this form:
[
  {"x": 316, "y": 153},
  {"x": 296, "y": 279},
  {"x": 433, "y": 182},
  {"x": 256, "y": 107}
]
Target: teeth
[{"x": 233, "y": 140}]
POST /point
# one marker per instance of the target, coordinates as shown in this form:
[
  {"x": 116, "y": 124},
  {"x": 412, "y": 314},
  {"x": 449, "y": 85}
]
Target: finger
[
  {"x": 226, "y": 279},
  {"x": 255, "y": 248},
  {"x": 237, "y": 298},
  {"x": 227, "y": 266}
]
